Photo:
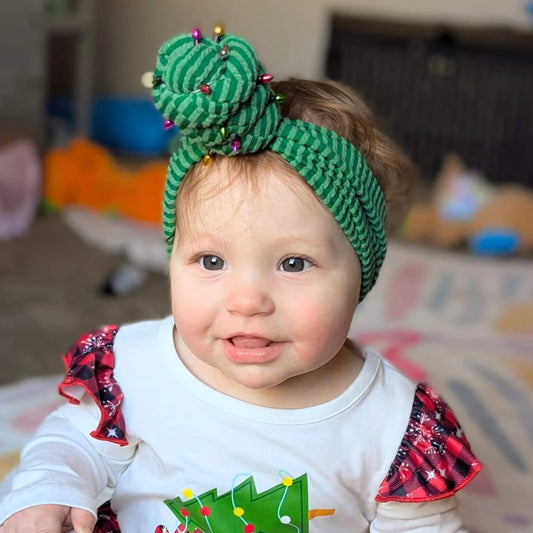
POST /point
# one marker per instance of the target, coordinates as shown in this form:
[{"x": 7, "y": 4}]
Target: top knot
[{"x": 217, "y": 92}]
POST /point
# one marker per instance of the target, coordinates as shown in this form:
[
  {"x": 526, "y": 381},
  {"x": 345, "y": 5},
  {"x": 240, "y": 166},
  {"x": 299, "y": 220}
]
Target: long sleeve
[
  {"x": 63, "y": 465},
  {"x": 432, "y": 517}
]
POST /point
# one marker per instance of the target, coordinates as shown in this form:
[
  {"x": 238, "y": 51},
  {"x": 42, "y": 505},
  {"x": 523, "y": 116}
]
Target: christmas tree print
[{"x": 282, "y": 508}]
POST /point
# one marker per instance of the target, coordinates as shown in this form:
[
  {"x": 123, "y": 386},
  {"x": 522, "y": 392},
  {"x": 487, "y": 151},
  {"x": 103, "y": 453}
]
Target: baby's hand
[{"x": 49, "y": 519}]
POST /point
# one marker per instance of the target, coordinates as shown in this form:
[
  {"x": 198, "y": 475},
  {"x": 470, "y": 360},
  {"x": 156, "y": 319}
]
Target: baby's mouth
[{"x": 241, "y": 341}]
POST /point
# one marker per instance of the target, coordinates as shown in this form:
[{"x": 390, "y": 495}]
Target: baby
[{"x": 248, "y": 409}]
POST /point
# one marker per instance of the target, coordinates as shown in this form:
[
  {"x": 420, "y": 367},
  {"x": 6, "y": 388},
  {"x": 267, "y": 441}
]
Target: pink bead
[
  {"x": 196, "y": 35},
  {"x": 236, "y": 145},
  {"x": 205, "y": 88},
  {"x": 168, "y": 124},
  {"x": 266, "y": 78}
]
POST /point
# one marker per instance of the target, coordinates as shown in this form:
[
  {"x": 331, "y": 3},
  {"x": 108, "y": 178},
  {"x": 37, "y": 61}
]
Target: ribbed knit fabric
[{"x": 212, "y": 91}]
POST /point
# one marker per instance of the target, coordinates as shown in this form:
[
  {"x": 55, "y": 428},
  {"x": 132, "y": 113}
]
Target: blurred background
[{"x": 83, "y": 157}]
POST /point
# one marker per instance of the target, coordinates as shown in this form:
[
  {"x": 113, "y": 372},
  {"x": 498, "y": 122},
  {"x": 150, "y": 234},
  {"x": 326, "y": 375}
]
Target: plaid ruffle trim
[
  {"x": 107, "y": 520},
  {"x": 89, "y": 364},
  {"x": 434, "y": 460}
]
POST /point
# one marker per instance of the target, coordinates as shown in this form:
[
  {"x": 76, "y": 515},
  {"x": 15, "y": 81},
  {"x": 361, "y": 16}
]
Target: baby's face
[{"x": 263, "y": 286}]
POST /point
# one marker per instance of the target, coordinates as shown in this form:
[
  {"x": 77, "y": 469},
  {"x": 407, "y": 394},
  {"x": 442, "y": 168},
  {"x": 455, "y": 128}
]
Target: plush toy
[
  {"x": 86, "y": 174},
  {"x": 466, "y": 209}
]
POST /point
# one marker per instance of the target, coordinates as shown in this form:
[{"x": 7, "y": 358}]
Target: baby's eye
[
  {"x": 294, "y": 264},
  {"x": 211, "y": 262}
]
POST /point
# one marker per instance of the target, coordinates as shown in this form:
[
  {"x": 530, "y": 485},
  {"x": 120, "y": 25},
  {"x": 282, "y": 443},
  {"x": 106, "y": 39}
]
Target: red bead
[
  {"x": 266, "y": 78},
  {"x": 205, "y": 511},
  {"x": 205, "y": 88},
  {"x": 249, "y": 528},
  {"x": 168, "y": 124}
]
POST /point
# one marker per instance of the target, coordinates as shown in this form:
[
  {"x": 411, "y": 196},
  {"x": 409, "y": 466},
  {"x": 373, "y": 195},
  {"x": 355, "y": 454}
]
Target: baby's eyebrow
[{"x": 306, "y": 240}]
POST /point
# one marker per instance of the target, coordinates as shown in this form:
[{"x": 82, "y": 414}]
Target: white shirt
[{"x": 186, "y": 439}]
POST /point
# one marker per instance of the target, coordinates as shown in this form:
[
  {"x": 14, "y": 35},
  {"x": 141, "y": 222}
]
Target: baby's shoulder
[{"x": 107, "y": 364}]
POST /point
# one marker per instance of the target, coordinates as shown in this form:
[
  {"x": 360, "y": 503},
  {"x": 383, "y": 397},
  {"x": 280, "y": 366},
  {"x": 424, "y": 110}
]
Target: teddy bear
[{"x": 465, "y": 209}]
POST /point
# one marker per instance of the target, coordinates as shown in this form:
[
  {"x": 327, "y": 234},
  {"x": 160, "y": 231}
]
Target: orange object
[{"x": 87, "y": 174}]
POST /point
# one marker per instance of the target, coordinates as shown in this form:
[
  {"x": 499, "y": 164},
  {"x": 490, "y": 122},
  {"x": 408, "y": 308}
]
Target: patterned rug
[{"x": 465, "y": 325}]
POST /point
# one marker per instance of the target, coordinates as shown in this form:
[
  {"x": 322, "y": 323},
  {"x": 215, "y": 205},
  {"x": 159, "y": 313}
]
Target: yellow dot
[
  {"x": 287, "y": 481},
  {"x": 188, "y": 493},
  {"x": 238, "y": 511},
  {"x": 207, "y": 159}
]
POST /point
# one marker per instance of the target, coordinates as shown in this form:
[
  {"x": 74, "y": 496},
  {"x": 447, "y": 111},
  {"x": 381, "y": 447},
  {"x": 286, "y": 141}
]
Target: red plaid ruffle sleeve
[
  {"x": 434, "y": 460},
  {"x": 89, "y": 364}
]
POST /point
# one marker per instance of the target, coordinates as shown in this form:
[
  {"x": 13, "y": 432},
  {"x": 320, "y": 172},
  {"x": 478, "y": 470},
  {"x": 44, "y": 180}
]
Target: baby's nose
[{"x": 249, "y": 299}]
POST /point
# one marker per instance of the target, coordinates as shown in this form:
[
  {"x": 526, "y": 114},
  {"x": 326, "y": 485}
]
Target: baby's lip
[{"x": 249, "y": 341}]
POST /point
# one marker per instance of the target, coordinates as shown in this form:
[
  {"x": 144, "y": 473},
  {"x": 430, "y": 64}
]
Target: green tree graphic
[{"x": 261, "y": 510}]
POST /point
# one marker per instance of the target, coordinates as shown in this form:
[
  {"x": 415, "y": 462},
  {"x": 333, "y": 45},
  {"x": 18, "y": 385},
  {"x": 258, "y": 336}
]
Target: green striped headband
[{"x": 219, "y": 95}]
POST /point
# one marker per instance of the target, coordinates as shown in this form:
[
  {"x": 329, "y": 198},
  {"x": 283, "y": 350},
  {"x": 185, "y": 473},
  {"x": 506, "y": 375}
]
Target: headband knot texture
[{"x": 218, "y": 94}]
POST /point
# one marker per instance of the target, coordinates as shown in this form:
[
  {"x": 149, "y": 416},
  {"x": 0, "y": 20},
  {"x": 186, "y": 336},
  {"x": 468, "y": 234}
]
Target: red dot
[
  {"x": 181, "y": 527},
  {"x": 248, "y": 528},
  {"x": 184, "y": 512},
  {"x": 205, "y": 511}
]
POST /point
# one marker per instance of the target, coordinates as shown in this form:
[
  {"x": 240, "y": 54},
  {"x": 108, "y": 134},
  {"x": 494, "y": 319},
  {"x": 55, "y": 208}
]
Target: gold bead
[
  {"x": 207, "y": 159},
  {"x": 219, "y": 32}
]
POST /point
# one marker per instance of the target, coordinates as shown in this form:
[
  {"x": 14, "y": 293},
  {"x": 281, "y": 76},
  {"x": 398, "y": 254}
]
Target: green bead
[
  {"x": 280, "y": 98},
  {"x": 223, "y": 132}
]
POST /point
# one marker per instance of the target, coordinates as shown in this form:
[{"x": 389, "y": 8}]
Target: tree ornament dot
[
  {"x": 285, "y": 519},
  {"x": 161, "y": 529},
  {"x": 196, "y": 530},
  {"x": 184, "y": 512},
  {"x": 287, "y": 481},
  {"x": 238, "y": 511},
  {"x": 249, "y": 528},
  {"x": 188, "y": 493},
  {"x": 181, "y": 528},
  {"x": 205, "y": 511}
]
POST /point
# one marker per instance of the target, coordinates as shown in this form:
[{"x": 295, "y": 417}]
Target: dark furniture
[{"x": 442, "y": 89}]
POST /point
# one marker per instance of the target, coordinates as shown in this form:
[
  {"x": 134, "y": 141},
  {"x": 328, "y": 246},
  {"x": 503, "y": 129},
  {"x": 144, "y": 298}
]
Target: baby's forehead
[{"x": 247, "y": 178}]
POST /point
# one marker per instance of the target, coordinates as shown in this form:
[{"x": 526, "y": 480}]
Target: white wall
[{"x": 289, "y": 35}]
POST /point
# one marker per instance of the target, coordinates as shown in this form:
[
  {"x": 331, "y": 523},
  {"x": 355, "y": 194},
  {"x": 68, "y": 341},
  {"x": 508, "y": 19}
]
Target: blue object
[
  {"x": 495, "y": 242},
  {"x": 122, "y": 124}
]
